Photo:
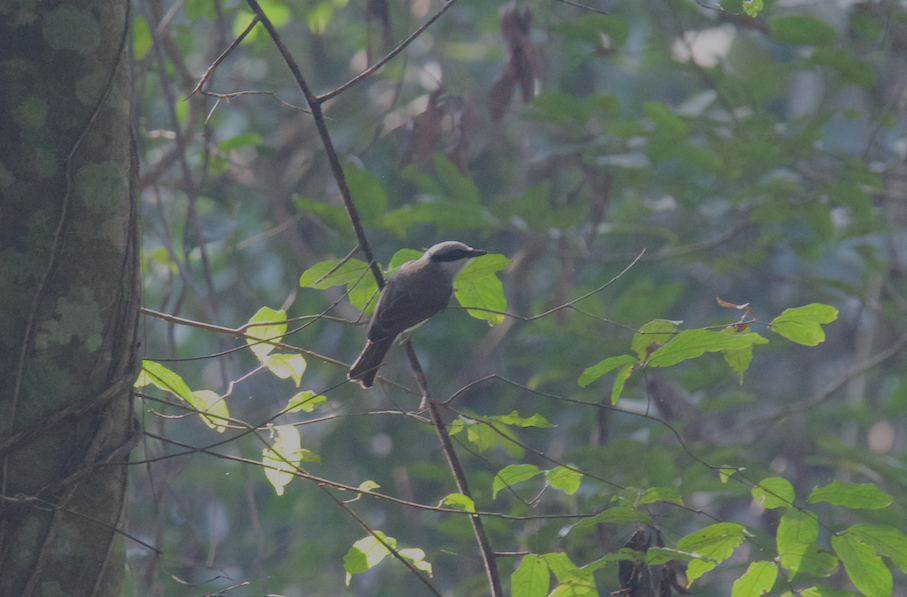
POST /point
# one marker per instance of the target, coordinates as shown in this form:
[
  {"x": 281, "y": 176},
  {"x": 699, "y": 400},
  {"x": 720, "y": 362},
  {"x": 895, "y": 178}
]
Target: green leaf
[
  {"x": 619, "y": 380},
  {"x": 852, "y": 196},
  {"x": 318, "y": 16},
  {"x": 461, "y": 187},
  {"x": 459, "y": 501},
  {"x": 572, "y": 581},
  {"x": 355, "y": 274},
  {"x": 403, "y": 256},
  {"x": 820, "y": 591},
  {"x": 366, "y": 554},
  {"x": 444, "y": 213},
  {"x": 726, "y": 472},
  {"x": 513, "y": 474},
  {"x": 533, "y": 207},
  {"x": 514, "y": 418},
  {"x": 287, "y": 365},
  {"x": 488, "y": 435},
  {"x": 865, "y": 569},
  {"x": 241, "y": 21},
  {"x": 716, "y": 542},
  {"x": 211, "y": 403},
  {"x": 774, "y": 492},
  {"x": 367, "y": 193},
  {"x": 417, "y": 558},
  {"x": 273, "y": 332},
  {"x": 204, "y": 401},
  {"x": 592, "y": 373},
  {"x": 195, "y": 9},
  {"x": 796, "y": 527},
  {"x": 305, "y": 402},
  {"x": 278, "y": 12},
  {"x": 801, "y": 31},
  {"x": 565, "y": 479},
  {"x": 282, "y": 458},
  {"x": 558, "y": 108},
  {"x": 619, "y": 514},
  {"x": 333, "y": 215},
  {"x": 850, "y": 68},
  {"x": 486, "y": 292},
  {"x": 738, "y": 360},
  {"x": 693, "y": 343},
  {"x": 661, "y": 494},
  {"x": 666, "y": 122},
  {"x": 368, "y": 486},
  {"x": 803, "y": 324},
  {"x": 590, "y": 27},
  {"x": 851, "y": 495},
  {"x": 806, "y": 558},
  {"x": 889, "y": 541},
  {"x": 317, "y": 277},
  {"x": 240, "y": 141},
  {"x": 652, "y": 335},
  {"x": 866, "y": 25},
  {"x": 663, "y": 555},
  {"x": 752, "y": 8},
  {"x": 532, "y": 578},
  {"x": 164, "y": 379},
  {"x": 758, "y": 580},
  {"x": 141, "y": 37}
]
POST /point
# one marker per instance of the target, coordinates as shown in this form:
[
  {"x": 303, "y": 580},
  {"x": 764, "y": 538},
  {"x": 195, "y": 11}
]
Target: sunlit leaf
[
  {"x": 803, "y": 324},
  {"x": 565, "y": 479},
  {"x": 513, "y": 474},
  {"x": 287, "y": 365},
  {"x": 889, "y": 541},
  {"x": 532, "y": 578},
  {"x": 282, "y": 458},
  {"x": 211, "y": 403},
  {"x": 865, "y": 569},
  {"x": 478, "y": 286},
  {"x": 305, "y": 401},
  {"x": 459, "y": 501},
  {"x": 716, "y": 542},
  {"x": 273, "y": 332},
  {"x": 592, "y": 373},
  {"x": 514, "y": 418},
  {"x": 774, "y": 492},
  {"x": 651, "y": 336},
  {"x": 756, "y": 581},
  {"x": 694, "y": 343}
]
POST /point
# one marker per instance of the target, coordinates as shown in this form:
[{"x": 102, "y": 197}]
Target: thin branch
[
  {"x": 331, "y": 94},
  {"x": 224, "y": 54}
]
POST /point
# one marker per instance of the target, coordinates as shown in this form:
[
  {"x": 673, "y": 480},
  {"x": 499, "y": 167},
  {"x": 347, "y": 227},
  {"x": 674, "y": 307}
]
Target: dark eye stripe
[{"x": 451, "y": 256}]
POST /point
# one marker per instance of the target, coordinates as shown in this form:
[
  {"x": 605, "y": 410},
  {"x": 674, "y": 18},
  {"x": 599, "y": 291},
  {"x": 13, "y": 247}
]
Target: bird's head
[{"x": 452, "y": 256}]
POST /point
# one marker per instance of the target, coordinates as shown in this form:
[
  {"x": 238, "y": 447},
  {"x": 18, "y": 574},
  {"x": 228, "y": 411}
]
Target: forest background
[{"x": 684, "y": 365}]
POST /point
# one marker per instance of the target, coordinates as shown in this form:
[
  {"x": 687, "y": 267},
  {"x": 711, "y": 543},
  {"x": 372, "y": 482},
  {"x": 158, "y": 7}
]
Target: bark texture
[{"x": 69, "y": 295}]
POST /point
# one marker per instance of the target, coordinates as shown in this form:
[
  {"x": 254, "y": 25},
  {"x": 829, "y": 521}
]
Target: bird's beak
[{"x": 478, "y": 253}]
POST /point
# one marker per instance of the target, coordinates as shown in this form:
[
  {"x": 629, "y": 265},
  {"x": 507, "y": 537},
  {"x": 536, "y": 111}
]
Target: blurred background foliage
[{"x": 757, "y": 159}]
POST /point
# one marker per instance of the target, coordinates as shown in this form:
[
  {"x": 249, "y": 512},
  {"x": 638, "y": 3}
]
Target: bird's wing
[{"x": 397, "y": 310}]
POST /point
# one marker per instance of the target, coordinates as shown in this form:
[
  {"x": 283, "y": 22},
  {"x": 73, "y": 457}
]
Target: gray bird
[{"x": 417, "y": 290}]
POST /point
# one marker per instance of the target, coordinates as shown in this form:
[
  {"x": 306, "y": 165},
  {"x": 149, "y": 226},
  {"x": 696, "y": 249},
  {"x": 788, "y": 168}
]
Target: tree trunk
[{"x": 69, "y": 296}]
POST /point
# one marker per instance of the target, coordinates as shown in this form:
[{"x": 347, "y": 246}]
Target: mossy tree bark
[{"x": 69, "y": 295}]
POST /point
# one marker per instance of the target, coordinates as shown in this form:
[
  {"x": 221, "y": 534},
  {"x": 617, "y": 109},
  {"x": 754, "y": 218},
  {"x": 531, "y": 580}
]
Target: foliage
[{"x": 617, "y": 429}]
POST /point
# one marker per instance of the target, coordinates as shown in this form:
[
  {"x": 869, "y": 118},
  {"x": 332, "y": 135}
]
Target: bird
[{"x": 418, "y": 290}]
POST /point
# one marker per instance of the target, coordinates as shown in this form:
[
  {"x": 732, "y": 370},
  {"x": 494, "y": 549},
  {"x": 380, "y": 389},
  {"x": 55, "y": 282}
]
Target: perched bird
[{"x": 417, "y": 290}]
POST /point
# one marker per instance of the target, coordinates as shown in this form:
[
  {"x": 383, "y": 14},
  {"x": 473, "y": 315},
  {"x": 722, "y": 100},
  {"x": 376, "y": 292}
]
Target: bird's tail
[{"x": 366, "y": 366}]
